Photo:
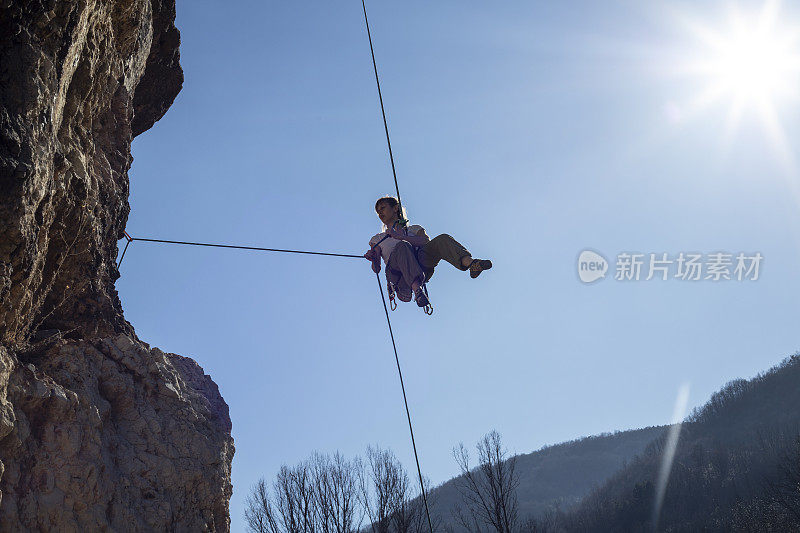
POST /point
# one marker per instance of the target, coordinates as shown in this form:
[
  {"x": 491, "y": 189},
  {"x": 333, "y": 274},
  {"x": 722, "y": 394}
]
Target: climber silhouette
[{"x": 411, "y": 256}]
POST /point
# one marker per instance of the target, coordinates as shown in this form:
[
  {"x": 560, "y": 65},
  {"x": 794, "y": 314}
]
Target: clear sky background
[{"x": 530, "y": 131}]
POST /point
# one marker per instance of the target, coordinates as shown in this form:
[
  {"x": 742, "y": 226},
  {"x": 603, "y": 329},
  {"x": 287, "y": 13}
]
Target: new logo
[{"x": 591, "y": 266}]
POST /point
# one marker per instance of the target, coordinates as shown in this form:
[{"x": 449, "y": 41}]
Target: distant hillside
[
  {"x": 563, "y": 474},
  {"x": 560, "y": 475},
  {"x": 736, "y": 467}
]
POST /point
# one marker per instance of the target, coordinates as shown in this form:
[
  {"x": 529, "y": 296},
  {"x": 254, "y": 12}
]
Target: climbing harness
[
  {"x": 392, "y": 291},
  {"x": 390, "y": 288}
]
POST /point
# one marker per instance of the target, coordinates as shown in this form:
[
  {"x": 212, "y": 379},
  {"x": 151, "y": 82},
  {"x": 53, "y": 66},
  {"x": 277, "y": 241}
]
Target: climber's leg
[
  {"x": 444, "y": 247},
  {"x": 404, "y": 261}
]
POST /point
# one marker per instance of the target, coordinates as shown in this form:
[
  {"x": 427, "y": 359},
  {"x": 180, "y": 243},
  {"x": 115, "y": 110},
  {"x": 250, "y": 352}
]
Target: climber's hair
[{"x": 393, "y": 202}]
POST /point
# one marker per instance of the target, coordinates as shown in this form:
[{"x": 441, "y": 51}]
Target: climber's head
[{"x": 389, "y": 211}]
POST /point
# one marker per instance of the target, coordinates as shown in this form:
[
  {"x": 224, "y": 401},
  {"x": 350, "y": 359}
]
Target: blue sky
[{"x": 530, "y": 132}]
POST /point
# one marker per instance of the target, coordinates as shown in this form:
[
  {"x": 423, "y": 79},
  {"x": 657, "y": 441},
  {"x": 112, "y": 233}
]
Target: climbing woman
[{"x": 411, "y": 256}]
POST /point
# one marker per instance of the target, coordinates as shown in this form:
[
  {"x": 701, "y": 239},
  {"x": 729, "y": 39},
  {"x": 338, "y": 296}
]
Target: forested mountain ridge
[
  {"x": 558, "y": 476},
  {"x": 736, "y": 467}
]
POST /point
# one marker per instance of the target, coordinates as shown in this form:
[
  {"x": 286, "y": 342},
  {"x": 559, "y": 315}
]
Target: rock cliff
[{"x": 98, "y": 431}]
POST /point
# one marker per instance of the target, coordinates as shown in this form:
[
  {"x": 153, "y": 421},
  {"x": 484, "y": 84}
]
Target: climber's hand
[
  {"x": 373, "y": 256},
  {"x": 399, "y": 235}
]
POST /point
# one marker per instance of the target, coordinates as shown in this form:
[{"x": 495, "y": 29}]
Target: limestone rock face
[{"x": 97, "y": 430}]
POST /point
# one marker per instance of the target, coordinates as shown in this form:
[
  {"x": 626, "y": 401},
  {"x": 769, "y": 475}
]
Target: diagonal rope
[
  {"x": 385, "y": 309},
  {"x": 405, "y": 400},
  {"x": 400, "y": 208},
  {"x": 257, "y": 248},
  {"x": 380, "y": 98},
  {"x": 123, "y": 253}
]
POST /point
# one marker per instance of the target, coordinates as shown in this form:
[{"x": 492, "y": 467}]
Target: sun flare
[{"x": 750, "y": 62}]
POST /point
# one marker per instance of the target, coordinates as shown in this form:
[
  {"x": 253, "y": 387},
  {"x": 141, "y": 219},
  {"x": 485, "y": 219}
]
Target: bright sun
[{"x": 753, "y": 62}]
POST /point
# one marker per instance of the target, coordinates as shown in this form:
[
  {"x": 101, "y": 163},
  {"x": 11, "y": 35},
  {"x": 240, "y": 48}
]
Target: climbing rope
[
  {"x": 257, "y": 248},
  {"x": 383, "y": 111},
  {"x": 405, "y": 400},
  {"x": 385, "y": 309},
  {"x": 400, "y": 208},
  {"x": 125, "y": 250}
]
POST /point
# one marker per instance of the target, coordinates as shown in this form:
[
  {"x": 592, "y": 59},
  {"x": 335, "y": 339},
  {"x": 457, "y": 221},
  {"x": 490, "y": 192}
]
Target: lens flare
[{"x": 678, "y": 414}]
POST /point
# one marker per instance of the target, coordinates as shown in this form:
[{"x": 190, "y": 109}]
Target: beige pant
[{"x": 441, "y": 247}]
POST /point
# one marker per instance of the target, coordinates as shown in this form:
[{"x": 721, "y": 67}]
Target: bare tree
[
  {"x": 336, "y": 485},
  {"x": 317, "y": 496},
  {"x": 293, "y": 501},
  {"x": 389, "y": 498},
  {"x": 290, "y": 509},
  {"x": 409, "y": 515},
  {"x": 259, "y": 513},
  {"x": 382, "y": 482},
  {"x": 331, "y": 495},
  {"x": 489, "y": 490}
]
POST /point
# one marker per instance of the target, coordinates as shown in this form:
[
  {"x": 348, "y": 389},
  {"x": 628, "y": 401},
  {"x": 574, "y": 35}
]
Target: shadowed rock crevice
[{"x": 97, "y": 430}]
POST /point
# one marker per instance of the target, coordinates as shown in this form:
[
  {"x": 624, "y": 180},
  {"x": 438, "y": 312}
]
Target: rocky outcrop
[
  {"x": 97, "y": 430},
  {"x": 111, "y": 434}
]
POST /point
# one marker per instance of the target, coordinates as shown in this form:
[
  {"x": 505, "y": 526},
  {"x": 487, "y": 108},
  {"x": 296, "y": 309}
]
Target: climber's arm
[{"x": 420, "y": 239}]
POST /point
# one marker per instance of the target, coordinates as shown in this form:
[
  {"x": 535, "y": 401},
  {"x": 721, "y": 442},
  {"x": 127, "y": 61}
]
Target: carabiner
[
  {"x": 390, "y": 290},
  {"x": 428, "y": 308}
]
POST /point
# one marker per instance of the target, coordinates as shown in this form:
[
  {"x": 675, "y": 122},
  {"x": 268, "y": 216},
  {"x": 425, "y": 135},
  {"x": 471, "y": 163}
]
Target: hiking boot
[
  {"x": 477, "y": 266},
  {"x": 404, "y": 293},
  {"x": 421, "y": 298}
]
